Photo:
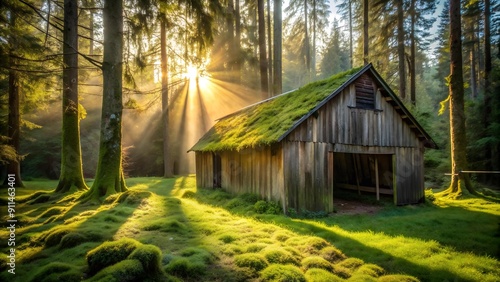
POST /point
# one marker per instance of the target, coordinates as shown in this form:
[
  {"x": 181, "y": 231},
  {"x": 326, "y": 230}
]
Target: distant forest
[{"x": 186, "y": 63}]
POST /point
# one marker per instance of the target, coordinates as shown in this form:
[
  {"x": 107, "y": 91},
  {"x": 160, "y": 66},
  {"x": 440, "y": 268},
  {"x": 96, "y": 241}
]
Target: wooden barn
[{"x": 346, "y": 132}]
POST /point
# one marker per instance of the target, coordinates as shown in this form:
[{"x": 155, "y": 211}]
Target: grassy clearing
[{"x": 169, "y": 231}]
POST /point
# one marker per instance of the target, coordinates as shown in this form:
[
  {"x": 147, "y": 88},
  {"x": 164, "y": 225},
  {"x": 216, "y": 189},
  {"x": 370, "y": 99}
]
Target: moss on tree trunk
[
  {"x": 71, "y": 177},
  {"x": 109, "y": 176}
]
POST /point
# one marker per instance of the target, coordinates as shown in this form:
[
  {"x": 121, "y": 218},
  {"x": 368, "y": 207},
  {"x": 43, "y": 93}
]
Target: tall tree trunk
[
  {"x": 350, "y": 35},
  {"x": 278, "y": 41},
  {"x": 230, "y": 38},
  {"x": 269, "y": 48},
  {"x": 472, "y": 58},
  {"x": 307, "y": 48},
  {"x": 14, "y": 117},
  {"x": 487, "y": 84},
  {"x": 365, "y": 32},
  {"x": 401, "y": 51},
  {"x": 167, "y": 162},
  {"x": 109, "y": 176},
  {"x": 237, "y": 42},
  {"x": 411, "y": 65},
  {"x": 91, "y": 26},
  {"x": 71, "y": 154},
  {"x": 458, "y": 138},
  {"x": 313, "y": 51},
  {"x": 262, "y": 48}
]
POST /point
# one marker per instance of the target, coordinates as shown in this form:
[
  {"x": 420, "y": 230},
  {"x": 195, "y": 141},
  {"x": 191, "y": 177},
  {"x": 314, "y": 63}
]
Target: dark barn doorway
[{"x": 371, "y": 173}]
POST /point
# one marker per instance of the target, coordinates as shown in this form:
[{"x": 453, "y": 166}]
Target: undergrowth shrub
[
  {"x": 321, "y": 275},
  {"x": 57, "y": 271},
  {"x": 267, "y": 207},
  {"x": 284, "y": 273},
  {"x": 109, "y": 253},
  {"x": 316, "y": 262}
]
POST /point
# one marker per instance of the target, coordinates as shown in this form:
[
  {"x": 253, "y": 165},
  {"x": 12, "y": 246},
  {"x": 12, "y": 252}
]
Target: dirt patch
[{"x": 354, "y": 207}]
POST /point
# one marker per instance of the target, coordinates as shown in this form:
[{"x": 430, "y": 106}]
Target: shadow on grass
[{"x": 70, "y": 232}]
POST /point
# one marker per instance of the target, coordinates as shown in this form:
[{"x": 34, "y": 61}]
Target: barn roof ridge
[{"x": 262, "y": 124}]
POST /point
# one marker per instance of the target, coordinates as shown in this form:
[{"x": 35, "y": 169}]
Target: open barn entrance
[{"x": 371, "y": 173}]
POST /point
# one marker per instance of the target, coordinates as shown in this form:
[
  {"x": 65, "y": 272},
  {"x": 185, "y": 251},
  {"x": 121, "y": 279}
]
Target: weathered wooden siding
[
  {"x": 339, "y": 121},
  {"x": 258, "y": 171},
  {"x": 306, "y": 175},
  {"x": 340, "y": 126},
  {"x": 204, "y": 170}
]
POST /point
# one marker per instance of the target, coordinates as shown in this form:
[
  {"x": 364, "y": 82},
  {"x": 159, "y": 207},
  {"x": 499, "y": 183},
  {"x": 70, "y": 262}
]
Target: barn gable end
[{"x": 348, "y": 132}]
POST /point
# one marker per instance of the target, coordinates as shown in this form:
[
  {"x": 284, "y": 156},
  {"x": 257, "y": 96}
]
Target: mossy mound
[
  {"x": 254, "y": 261},
  {"x": 150, "y": 257},
  {"x": 123, "y": 271},
  {"x": 398, "y": 278},
  {"x": 185, "y": 268},
  {"x": 56, "y": 272},
  {"x": 280, "y": 256},
  {"x": 316, "y": 262},
  {"x": 321, "y": 275},
  {"x": 332, "y": 254},
  {"x": 284, "y": 273},
  {"x": 109, "y": 253}
]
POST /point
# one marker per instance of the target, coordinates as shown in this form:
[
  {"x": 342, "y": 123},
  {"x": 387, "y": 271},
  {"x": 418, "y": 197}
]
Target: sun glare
[{"x": 192, "y": 72}]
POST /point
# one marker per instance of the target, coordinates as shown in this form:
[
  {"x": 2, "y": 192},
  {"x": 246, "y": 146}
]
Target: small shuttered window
[{"x": 365, "y": 93}]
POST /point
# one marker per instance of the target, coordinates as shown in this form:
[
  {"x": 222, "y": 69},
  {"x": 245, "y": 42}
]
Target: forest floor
[{"x": 209, "y": 235}]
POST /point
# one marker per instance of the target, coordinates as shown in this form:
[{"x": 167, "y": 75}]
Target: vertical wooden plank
[
  {"x": 377, "y": 187},
  {"x": 395, "y": 178}
]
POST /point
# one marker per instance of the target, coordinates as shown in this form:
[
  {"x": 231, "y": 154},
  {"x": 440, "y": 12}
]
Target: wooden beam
[{"x": 385, "y": 191}]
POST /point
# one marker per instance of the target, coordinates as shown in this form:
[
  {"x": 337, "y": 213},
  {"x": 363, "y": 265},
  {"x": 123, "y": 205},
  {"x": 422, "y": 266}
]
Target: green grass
[{"x": 211, "y": 234}]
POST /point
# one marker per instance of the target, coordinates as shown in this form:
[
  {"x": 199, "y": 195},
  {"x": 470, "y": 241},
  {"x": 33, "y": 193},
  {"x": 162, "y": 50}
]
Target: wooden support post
[
  {"x": 377, "y": 187},
  {"x": 355, "y": 161}
]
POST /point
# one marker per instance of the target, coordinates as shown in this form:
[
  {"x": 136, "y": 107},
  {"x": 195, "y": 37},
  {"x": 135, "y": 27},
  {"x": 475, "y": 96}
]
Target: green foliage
[
  {"x": 370, "y": 269},
  {"x": 282, "y": 273},
  {"x": 110, "y": 253},
  {"x": 321, "y": 275},
  {"x": 351, "y": 263},
  {"x": 253, "y": 261},
  {"x": 316, "y": 262},
  {"x": 267, "y": 207},
  {"x": 307, "y": 244},
  {"x": 332, "y": 254},
  {"x": 57, "y": 271}
]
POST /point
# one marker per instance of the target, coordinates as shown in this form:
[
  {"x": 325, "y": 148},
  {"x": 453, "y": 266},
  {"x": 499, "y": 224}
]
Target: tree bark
[
  {"x": 401, "y": 51},
  {"x": 167, "y": 162},
  {"x": 350, "y": 35},
  {"x": 487, "y": 84},
  {"x": 14, "y": 116},
  {"x": 109, "y": 176},
  {"x": 278, "y": 34},
  {"x": 269, "y": 48},
  {"x": 307, "y": 48},
  {"x": 71, "y": 177},
  {"x": 411, "y": 65},
  {"x": 458, "y": 138},
  {"x": 262, "y": 48},
  {"x": 365, "y": 32},
  {"x": 237, "y": 42}
]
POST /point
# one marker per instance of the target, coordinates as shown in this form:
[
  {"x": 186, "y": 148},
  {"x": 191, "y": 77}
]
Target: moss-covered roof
[{"x": 266, "y": 122}]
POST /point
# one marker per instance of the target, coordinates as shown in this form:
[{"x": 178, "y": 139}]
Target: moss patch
[
  {"x": 278, "y": 272},
  {"x": 264, "y": 123},
  {"x": 110, "y": 253}
]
